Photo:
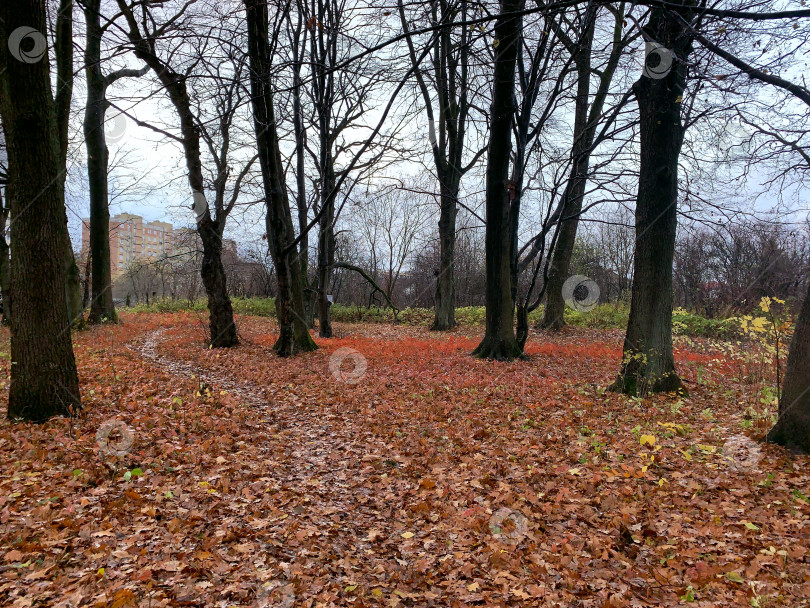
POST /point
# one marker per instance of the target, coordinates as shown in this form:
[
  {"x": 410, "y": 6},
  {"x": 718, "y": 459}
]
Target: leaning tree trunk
[
  {"x": 293, "y": 332},
  {"x": 792, "y": 429},
  {"x": 572, "y": 201},
  {"x": 499, "y": 340},
  {"x": 44, "y": 382},
  {"x": 648, "y": 363},
  {"x": 102, "y": 307},
  {"x": 445, "y": 307}
]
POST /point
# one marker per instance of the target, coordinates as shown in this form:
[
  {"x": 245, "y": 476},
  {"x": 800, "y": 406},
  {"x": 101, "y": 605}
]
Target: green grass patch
[{"x": 603, "y": 316}]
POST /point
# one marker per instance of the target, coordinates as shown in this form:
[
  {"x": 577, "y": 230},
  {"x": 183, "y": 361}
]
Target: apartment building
[{"x": 131, "y": 238}]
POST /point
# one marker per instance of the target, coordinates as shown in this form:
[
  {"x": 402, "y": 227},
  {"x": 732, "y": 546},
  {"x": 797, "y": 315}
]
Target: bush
[
  {"x": 257, "y": 307},
  {"x": 169, "y": 305},
  {"x": 602, "y": 316},
  {"x": 685, "y": 323}
]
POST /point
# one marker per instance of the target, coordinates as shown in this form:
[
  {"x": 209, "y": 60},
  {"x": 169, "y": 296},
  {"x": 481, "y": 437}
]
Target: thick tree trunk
[
  {"x": 293, "y": 332},
  {"x": 102, "y": 307},
  {"x": 648, "y": 363},
  {"x": 445, "y": 306},
  {"x": 212, "y": 271},
  {"x": 499, "y": 340},
  {"x": 792, "y": 430},
  {"x": 44, "y": 382}
]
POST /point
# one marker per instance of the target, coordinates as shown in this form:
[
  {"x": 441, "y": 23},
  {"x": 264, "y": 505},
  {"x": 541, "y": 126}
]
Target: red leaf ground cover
[{"x": 429, "y": 478}]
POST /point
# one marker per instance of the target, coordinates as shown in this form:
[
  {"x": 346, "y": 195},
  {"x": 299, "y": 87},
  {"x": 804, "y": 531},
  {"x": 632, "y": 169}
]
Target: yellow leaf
[
  {"x": 750, "y": 526},
  {"x": 407, "y": 535},
  {"x": 686, "y": 454},
  {"x": 473, "y": 587},
  {"x": 377, "y": 593},
  {"x": 100, "y": 572},
  {"x": 574, "y": 471},
  {"x": 350, "y": 588},
  {"x": 647, "y": 440},
  {"x": 734, "y": 577}
]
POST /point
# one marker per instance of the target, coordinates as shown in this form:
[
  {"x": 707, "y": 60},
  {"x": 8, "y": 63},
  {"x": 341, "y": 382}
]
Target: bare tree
[
  {"x": 445, "y": 88},
  {"x": 293, "y": 331},
  {"x": 499, "y": 340},
  {"x": 147, "y": 35}
]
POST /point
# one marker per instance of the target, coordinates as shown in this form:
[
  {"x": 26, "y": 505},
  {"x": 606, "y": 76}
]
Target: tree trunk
[
  {"x": 44, "y": 382},
  {"x": 293, "y": 332},
  {"x": 326, "y": 254},
  {"x": 212, "y": 271},
  {"x": 585, "y": 124},
  {"x": 572, "y": 202},
  {"x": 102, "y": 307},
  {"x": 792, "y": 430},
  {"x": 447, "y": 132},
  {"x": 64, "y": 95},
  {"x": 445, "y": 307},
  {"x": 326, "y": 229},
  {"x": 499, "y": 340},
  {"x": 300, "y": 134},
  {"x": 5, "y": 264},
  {"x": 648, "y": 363}
]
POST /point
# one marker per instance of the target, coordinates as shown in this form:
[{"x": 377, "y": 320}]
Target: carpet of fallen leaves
[{"x": 429, "y": 478}]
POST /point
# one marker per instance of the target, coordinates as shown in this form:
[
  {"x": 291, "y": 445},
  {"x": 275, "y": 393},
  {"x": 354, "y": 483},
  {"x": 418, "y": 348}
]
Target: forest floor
[{"x": 421, "y": 477}]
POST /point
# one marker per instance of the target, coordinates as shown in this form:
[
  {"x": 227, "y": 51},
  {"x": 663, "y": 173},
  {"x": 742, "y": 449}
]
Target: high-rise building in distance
[{"x": 131, "y": 238}]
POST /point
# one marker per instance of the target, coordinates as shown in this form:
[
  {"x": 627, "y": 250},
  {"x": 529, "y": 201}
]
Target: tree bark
[
  {"x": 64, "y": 95},
  {"x": 323, "y": 54},
  {"x": 648, "y": 363},
  {"x": 499, "y": 340},
  {"x": 792, "y": 429},
  {"x": 326, "y": 254},
  {"x": 5, "y": 263},
  {"x": 212, "y": 271},
  {"x": 44, "y": 382},
  {"x": 293, "y": 332},
  {"x": 102, "y": 307},
  {"x": 445, "y": 306}
]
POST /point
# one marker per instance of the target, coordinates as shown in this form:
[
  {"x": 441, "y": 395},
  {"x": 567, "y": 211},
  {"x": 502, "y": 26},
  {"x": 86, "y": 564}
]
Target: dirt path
[{"x": 319, "y": 465}]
